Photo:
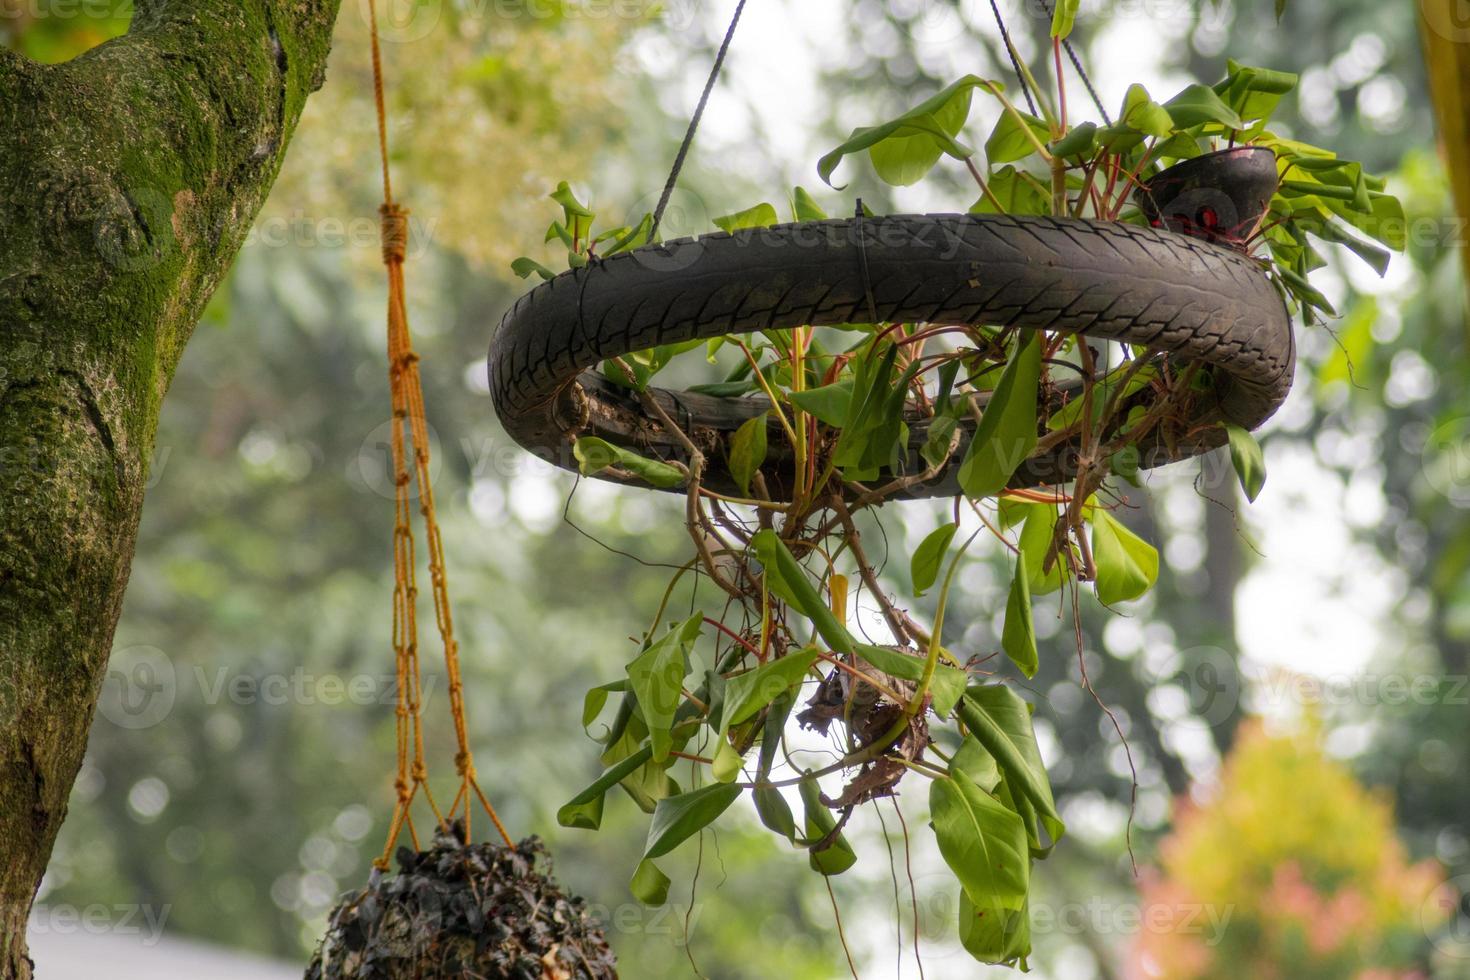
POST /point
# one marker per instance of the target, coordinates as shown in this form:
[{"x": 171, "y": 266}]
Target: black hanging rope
[
  {"x": 714, "y": 76},
  {"x": 1005, "y": 37}
]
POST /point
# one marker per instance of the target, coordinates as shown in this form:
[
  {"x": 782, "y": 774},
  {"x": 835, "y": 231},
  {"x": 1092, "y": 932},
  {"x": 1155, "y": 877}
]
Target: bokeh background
[{"x": 1295, "y": 696}]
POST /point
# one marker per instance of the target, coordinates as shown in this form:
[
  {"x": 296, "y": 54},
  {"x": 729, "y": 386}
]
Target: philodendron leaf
[
  {"x": 929, "y": 558},
  {"x": 1249, "y": 461},
  {"x": 678, "y": 818},
  {"x": 649, "y": 885},
  {"x": 748, "y": 451},
  {"x": 1199, "y": 104},
  {"x": 657, "y": 678},
  {"x": 595, "y": 455},
  {"x": 760, "y": 216},
  {"x": 1007, "y": 430},
  {"x": 1018, "y": 638},
  {"x": 983, "y": 841},
  {"x": 1127, "y": 565},
  {"x": 905, "y": 149}
]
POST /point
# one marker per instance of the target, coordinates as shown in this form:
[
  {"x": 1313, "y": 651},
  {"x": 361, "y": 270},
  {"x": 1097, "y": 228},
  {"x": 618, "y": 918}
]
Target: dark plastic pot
[{"x": 1220, "y": 197}]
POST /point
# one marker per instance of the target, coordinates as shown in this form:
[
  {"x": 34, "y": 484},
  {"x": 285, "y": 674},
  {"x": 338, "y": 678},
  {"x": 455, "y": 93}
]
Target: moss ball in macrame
[{"x": 464, "y": 911}]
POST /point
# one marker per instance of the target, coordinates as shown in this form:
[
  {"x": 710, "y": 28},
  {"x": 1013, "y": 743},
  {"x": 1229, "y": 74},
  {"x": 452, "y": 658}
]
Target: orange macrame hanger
[{"x": 408, "y": 410}]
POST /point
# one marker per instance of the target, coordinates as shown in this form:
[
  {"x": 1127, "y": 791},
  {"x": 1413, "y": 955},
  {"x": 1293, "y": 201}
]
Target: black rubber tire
[{"x": 1142, "y": 286}]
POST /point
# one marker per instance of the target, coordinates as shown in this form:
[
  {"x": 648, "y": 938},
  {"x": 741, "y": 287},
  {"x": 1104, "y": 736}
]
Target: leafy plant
[{"x": 727, "y": 698}]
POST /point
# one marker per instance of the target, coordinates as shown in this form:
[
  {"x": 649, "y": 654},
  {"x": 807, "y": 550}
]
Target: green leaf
[
  {"x": 972, "y": 760},
  {"x": 1009, "y": 140},
  {"x": 727, "y": 762},
  {"x": 983, "y": 842},
  {"x": 1018, "y": 638},
  {"x": 679, "y": 818},
  {"x": 1007, "y": 430},
  {"x": 1143, "y": 114},
  {"x": 936, "y": 445},
  {"x": 1127, "y": 565},
  {"x": 657, "y": 678},
  {"x": 1081, "y": 140},
  {"x": 929, "y": 558},
  {"x": 1001, "y": 723},
  {"x": 578, "y": 218},
  {"x": 748, "y": 693},
  {"x": 584, "y": 811},
  {"x": 649, "y": 885},
  {"x": 831, "y": 404},
  {"x": 805, "y": 207},
  {"x": 1017, "y": 192},
  {"x": 760, "y": 216},
  {"x": 595, "y": 455},
  {"x": 1037, "y": 535},
  {"x": 524, "y": 266},
  {"x": 774, "y": 811},
  {"x": 1063, "y": 17},
  {"x": 1198, "y": 104},
  {"x": 918, "y": 138},
  {"x": 596, "y": 699},
  {"x": 748, "y": 451},
  {"x": 1248, "y": 460},
  {"x": 838, "y": 856},
  {"x": 641, "y": 235},
  {"x": 992, "y": 934},
  {"x": 773, "y": 554},
  {"x": 946, "y": 687}
]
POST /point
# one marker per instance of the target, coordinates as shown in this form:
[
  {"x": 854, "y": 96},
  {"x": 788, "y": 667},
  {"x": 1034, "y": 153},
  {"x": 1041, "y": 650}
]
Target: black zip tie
[
  {"x": 714, "y": 76},
  {"x": 863, "y": 262}
]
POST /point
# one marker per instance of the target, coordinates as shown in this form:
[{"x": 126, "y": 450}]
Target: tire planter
[{"x": 1148, "y": 287}]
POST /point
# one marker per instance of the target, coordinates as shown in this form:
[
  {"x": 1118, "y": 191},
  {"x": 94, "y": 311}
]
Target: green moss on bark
[{"x": 128, "y": 180}]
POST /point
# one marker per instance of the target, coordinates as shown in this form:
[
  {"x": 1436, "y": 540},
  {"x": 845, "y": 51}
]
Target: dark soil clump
[{"x": 464, "y": 912}]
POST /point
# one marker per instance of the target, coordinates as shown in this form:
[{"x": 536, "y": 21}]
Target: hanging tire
[{"x": 1146, "y": 287}]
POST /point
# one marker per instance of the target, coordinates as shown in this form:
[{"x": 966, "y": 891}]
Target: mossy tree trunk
[{"x": 128, "y": 180}]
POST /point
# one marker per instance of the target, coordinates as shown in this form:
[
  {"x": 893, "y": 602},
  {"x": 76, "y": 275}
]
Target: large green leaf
[
  {"x": 1063, "y": 17},
  {"x": 748, "y": 693},
  {"x": 657, "y": 678},
  {"x": 774, "y": 554},
  {"x": 1017, "y": 193},
  {"x": 831, "y": 404},
  {"x": 1016, "y": 136},
  {"x": 1007, "y": 430},
  {"x": 983, "y": 842},
  {"x": 1018, "y": 638},
  {"x": 906, "y": 148},
  {"x": 1037, "y": 535},
  {"x": 1001, "y": 723},
  {"x": 679, "y": 818},
  {"x": 1127, "y": 565},
  {"x": 649, "y": 885},
  {"x": 1197, "y": 105},
  {"x": 584, "y": 811}
]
